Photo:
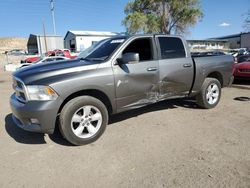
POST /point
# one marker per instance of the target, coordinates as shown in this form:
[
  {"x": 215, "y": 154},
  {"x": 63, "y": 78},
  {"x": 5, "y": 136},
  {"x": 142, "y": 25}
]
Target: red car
[
  {"x": 63, "y": 52},
  {"x": 241, "y": 69},
  {"x": 30, "y": 59}
]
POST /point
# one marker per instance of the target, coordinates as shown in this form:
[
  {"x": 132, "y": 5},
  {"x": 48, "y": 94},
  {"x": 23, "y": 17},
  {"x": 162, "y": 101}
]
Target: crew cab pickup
[{"x": 117, "y": 74}]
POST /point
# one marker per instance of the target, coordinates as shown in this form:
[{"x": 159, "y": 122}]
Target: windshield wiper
[{"x": 94, "y": 58}]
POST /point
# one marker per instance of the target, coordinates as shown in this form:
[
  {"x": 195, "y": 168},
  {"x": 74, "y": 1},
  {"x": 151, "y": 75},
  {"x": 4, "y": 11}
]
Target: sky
[{"x": 19, "y": 18}]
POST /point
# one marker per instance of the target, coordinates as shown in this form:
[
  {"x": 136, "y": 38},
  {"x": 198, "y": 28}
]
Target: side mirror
[{"x": 129, "y": 58}]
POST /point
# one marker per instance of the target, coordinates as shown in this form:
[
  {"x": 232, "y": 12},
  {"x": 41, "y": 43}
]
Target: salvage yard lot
[{"x": 171, "y": 143}]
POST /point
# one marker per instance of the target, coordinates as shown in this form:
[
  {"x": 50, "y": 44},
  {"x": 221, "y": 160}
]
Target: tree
[
  {"x": 161, "y": 16},
  {"x": 246, "y": 24}
]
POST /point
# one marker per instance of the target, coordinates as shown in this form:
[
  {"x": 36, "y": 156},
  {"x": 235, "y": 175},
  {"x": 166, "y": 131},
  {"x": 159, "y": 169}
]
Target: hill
[{"x": 9, "y": 43}]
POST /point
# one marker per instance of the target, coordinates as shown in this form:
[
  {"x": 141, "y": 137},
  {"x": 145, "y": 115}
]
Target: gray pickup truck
[{"x": 115, "y": 75}]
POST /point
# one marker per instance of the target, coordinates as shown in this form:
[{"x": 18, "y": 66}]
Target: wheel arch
[
  {"x": 90, "y": 92},
  {"x": 217, "y": 75}
]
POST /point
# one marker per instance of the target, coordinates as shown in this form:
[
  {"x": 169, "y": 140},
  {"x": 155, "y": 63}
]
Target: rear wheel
[
  {"x": 83, "y": 120},
  {"x": 210, "y": 93}
]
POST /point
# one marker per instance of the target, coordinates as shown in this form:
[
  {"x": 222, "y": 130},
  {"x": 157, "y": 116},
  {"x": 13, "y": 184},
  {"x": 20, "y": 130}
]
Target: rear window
[{"x": 171, "y": 47}]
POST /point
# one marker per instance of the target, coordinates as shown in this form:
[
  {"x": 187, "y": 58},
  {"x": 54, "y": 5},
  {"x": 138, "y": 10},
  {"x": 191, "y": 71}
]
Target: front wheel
[
  {"x": 210, "y": 93},
  {"x": 83, "y": 120}
]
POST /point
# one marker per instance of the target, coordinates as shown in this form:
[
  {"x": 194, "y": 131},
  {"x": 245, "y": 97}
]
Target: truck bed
[{"x": 204, "y": 66}]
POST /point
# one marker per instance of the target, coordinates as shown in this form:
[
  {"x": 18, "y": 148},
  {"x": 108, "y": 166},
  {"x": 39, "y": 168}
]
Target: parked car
[
  {"x": 217, "y": 52},
  {"x": 64, "y": 53},
  {"x": 209, "y": 53},
  {"x": 43, "y": 60},
  {"x": 30, "y": 59},
  {"x": 243, "y": 58},
  {"x": 16, "y": 52},
  {"x": 242, "y": 51},
  {"x": 241, "y": 70},
  {"x": 122, "y": 73}
]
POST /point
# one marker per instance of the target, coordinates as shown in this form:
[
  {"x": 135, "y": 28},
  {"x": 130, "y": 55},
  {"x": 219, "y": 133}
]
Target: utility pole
[
  {"x": 44, "y": 35},
  {"x": 52, "y": 8}
]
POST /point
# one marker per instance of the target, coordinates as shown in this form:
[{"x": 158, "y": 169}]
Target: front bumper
[
  {"x": 45, "y": 112},
  {"x": 242, "y": 75}
]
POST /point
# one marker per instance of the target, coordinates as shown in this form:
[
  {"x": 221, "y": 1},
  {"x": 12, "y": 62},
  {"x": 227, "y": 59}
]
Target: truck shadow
[
  {"x": 25, "y": 137},
  {"x": 163, "y": 105},
  {"x": 242, "y": 82},
  {"x": 243, "y": 99},
  {"x": 20, "y": 135},
  {"x": 58, "y": 138}
]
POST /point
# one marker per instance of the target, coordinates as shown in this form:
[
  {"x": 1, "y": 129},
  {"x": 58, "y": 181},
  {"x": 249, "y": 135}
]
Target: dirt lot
[
  {"x": 10, "y": 43},
  {"x": 169, "y": 144}
]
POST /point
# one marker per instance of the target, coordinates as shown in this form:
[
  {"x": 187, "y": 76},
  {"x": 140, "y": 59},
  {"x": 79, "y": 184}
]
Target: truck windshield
[{"x": 101, "y": 50}]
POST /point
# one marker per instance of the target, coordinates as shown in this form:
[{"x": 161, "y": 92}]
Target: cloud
[{"x": 224, "y": 24}]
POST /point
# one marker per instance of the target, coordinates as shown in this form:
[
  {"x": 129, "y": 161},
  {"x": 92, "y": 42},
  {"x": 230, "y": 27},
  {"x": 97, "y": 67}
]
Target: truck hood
[{"x": 48, "y": 71}]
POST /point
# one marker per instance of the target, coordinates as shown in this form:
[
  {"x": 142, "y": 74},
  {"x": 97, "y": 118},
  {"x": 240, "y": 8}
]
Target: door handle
[
  {"x": 151, "y": 69},
  {"x": 187, "y": 65}
]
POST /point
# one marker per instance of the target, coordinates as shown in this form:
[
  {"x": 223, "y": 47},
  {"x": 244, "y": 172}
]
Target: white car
[{"x": 43, "y": 60}]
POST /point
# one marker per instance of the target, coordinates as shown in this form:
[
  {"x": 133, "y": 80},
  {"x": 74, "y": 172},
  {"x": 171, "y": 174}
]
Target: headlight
[{"x": 41, "y": 93}]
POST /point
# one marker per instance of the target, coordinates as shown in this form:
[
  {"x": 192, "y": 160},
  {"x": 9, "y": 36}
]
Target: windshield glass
[
  {"x": 88, "y": 50},
  {"x": 40, "y": 58},
  {"x": 243, "y": 59},
  {"x": 101, "y": 50}
]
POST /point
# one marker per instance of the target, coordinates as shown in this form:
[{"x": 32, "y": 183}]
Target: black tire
[
  {"x": 201, "y": 98},
  {"x": 70, "y": 109}
]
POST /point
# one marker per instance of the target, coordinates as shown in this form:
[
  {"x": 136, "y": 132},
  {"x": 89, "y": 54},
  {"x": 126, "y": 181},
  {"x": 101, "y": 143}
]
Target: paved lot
[{"x": 169, "y": 144}]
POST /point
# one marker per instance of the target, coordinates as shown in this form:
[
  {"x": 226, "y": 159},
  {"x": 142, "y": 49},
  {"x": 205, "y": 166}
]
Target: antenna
[{"x": 52, "y": 8}]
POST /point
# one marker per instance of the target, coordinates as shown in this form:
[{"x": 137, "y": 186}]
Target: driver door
[{"x": 136, "y": 83}]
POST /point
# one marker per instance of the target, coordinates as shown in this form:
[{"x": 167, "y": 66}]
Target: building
[
  {"x": 236, "y": 41},
  {"x": 77, "y": 41},
  {"x": 41, "y": 44},
  {"x": 245, "y": 40},
  {"x": 209, "y": 44}
]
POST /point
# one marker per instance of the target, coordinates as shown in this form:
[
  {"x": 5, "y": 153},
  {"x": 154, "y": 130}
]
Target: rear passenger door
[{"x": 175, "y": 67}]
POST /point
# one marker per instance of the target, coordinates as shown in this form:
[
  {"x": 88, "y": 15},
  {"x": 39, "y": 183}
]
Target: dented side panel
[
  {"x": 175, "y": 79},
  {"x": 135, "y": 86}
]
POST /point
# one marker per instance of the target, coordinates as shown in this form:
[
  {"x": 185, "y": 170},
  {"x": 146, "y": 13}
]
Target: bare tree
[{"x": 246, "y": 24}]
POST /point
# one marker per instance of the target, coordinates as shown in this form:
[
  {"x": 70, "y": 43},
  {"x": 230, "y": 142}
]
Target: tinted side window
[
  {"x": 48, "y": 60},
  {"x": 58, "y": 59},
  {"x": 142, "y": 47},
  {"x": 171, "y": 47}
]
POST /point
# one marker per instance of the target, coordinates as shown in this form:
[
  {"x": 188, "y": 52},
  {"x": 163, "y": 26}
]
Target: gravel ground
[{"x": 168, "y": 144}]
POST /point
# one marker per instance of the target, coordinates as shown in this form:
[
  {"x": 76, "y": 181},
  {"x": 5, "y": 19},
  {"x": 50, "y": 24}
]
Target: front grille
[
  {"x": 19, "y": 88},
  {"x": 244, "y": 70}
]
